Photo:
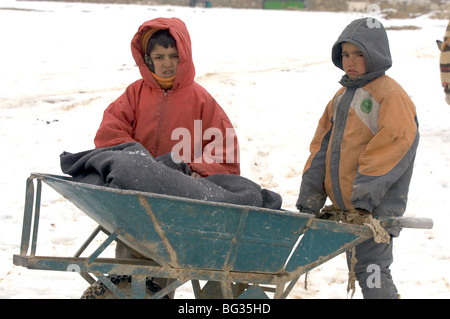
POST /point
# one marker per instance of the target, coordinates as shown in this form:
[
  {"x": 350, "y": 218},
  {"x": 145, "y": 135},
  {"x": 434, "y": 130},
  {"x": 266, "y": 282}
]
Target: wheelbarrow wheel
[{"x": 99, "y": 291}]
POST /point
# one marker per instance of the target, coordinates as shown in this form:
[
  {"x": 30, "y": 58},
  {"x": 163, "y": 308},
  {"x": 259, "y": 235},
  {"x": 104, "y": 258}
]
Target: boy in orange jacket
[{"x": 363, "y": 151}]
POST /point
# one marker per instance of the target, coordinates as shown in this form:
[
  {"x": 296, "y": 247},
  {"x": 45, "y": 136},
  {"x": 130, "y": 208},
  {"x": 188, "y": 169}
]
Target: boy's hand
[
  {"x": 363, "y": 211},
  {"x": 196, "y": 175}
]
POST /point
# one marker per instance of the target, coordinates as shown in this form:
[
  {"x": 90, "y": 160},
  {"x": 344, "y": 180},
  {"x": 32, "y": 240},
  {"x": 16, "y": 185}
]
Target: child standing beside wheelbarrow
[{"x": 363, "y": 150}]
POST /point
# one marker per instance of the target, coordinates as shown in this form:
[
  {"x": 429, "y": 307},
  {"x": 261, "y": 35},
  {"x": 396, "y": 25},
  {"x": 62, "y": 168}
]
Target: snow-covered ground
[{"x": 61, "y": 64}]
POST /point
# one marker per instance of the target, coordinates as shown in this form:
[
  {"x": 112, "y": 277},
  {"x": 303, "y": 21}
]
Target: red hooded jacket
[{"x": 186, "y": 120}]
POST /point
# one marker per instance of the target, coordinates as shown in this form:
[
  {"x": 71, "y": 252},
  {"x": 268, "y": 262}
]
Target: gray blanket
[{"x": 130, "y": 166}]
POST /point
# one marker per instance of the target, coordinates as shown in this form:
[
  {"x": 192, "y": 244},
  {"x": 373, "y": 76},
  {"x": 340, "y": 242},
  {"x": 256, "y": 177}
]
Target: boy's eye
[
  {"x": 161, "y": 57},
  {"x": 357, "y": 55}
]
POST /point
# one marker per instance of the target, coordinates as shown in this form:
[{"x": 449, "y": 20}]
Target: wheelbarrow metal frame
[{"x": 228, "y": 282}]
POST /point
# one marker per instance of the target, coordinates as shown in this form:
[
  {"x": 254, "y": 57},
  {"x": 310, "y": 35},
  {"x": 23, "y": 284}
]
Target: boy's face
[
  {"x": 353, "y": 61},
  {"x": 165, "y": 61}
]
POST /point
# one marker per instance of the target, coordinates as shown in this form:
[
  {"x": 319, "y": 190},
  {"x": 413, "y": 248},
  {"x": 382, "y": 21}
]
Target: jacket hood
[
  {"x": 186, "y": 70},
  {"x": 369, "y": 35}
]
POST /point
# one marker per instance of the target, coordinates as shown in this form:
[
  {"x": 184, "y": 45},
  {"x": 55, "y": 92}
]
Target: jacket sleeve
[
  {"x": 117, "y": 123},
  {"x": 312, "y": 195},
  {"x": 389, "y": 156}
]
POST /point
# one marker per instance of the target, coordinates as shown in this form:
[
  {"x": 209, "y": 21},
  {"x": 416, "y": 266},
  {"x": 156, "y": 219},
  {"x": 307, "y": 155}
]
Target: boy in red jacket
[{"x": 167, "y": 111}]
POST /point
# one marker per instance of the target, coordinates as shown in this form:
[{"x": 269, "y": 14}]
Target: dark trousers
[{"x": 372, "y": 270}]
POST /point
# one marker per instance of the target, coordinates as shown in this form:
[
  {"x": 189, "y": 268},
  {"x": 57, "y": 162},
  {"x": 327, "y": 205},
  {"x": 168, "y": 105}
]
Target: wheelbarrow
[{"x": 239, "y": 251}]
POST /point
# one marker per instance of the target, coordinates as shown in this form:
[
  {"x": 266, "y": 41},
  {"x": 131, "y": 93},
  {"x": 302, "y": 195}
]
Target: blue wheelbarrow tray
[{"x": 187, "y": 239}]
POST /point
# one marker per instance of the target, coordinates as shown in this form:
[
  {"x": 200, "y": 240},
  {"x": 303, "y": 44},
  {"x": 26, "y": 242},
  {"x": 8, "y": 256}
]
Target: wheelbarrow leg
[
  {"x": 196, "y": 288},
  {"x": 281, "y": 293},
  {"x": 30, "y": 198},
  {"x": 226, "y": 290},
  {"x": 138, "y": 286}
]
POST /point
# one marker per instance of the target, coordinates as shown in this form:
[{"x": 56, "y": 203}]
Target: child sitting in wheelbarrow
[
  {"x": 167, "y": 104},
  {"x": 168, "y": 100}
]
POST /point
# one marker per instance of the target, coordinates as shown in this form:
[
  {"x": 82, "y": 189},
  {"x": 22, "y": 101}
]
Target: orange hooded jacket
[
  {"x": 185, "y": 120},
  {"x": 363, "y": 151}
]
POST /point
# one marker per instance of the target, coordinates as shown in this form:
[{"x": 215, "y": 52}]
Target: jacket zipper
[{"x": 161, "y": 120}]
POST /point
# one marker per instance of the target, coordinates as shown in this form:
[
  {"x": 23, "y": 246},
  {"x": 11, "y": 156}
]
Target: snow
[{"x": 63, "y": 63}]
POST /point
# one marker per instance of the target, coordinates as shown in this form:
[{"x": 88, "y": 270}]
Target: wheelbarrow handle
[{"x": 407, "y": 222}]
